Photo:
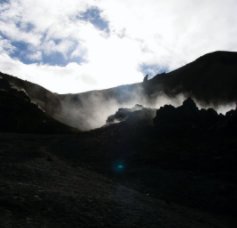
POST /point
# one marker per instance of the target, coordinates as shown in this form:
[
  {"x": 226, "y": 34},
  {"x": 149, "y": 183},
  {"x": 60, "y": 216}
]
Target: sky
[{"x": 71, "y": 46}]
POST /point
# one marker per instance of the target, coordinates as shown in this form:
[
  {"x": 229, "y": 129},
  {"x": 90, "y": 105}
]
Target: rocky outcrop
[
  {"x": 188, "y": 119},
  {"x": 136, "y": 115}
]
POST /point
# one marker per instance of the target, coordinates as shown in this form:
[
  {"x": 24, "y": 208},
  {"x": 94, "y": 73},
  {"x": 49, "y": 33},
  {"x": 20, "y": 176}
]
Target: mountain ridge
[
  {"x": 211, "y": 80},
  {"x": 166, "y": 166}
]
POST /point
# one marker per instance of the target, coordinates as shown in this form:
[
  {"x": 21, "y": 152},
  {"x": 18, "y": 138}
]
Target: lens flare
[{"x": 119, "y": 167}]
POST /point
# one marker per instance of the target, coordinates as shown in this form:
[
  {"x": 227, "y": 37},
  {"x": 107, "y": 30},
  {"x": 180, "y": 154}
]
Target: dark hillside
[
  {"x": 19, "y": 114},
  {"x": 169, "y": 166},
  {"x": 211, "y": 79}
]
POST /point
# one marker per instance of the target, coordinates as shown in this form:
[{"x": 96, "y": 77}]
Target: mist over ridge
[
  {"x": 154, "y": 146},
  {"x": 210, "y": 81}
]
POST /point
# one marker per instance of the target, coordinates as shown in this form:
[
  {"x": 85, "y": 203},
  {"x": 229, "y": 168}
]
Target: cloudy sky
[{"x": 78, "y": 45}]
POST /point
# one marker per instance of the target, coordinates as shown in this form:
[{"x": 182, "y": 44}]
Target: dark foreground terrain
[
  {"x": 147, "y": 167},
  {"x": 53, "y": 181},
  {"x": 178, "y": 172}
]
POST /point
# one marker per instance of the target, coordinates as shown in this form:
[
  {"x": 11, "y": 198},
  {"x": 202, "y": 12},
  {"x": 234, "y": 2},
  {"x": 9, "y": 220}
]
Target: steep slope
[
  {"x": 211, "y": 78},
  {"x": 45, "y": 99},
  {"x": 19, "y": 114}
]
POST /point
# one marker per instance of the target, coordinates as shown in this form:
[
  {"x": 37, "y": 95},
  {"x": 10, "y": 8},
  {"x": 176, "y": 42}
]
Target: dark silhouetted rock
[
  {"x": 188, "y": 119},
  {"x": 136, "y": 115}
]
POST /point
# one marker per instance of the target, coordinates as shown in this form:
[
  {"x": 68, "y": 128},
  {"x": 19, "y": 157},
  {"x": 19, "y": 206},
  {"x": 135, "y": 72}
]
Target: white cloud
[
  {"x": 5, "y": 46},
  {"x": 175, "y": 32},
  {"x": 35, "y": 56},
  {"x": 168, "y": 33},
  {"x": 63, "y": 46}
]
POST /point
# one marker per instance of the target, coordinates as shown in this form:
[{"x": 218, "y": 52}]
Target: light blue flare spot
[{"x": 119, "y": 167}]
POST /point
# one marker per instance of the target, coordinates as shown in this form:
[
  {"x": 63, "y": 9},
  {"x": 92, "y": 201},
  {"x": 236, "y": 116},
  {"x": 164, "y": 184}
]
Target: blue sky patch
[
  {"x": 26, "y": 27},
  {"x": 21, "y": 51},
  {"x": 4, "y": 1},
  {"x": 54, "y": 59},
  {"x": 58, "y": 59},
  {"x": 93, "y": 15}
]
